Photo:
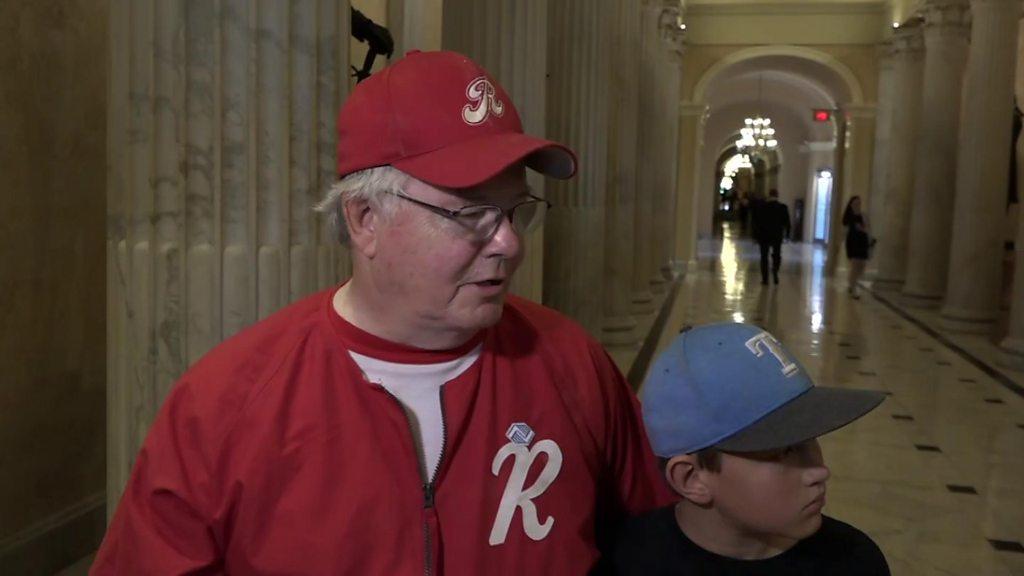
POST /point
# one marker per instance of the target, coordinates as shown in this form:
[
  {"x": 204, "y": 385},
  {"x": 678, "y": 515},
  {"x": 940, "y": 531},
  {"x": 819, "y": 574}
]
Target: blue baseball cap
[{"x": 736, "y": 388}]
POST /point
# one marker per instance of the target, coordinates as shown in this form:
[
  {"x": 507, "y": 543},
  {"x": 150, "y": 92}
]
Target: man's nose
[{"x": 506, "y": 241}]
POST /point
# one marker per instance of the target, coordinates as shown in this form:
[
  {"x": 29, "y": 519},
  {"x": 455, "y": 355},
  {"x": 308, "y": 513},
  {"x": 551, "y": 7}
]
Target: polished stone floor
[{"x": 936, "y": 474}]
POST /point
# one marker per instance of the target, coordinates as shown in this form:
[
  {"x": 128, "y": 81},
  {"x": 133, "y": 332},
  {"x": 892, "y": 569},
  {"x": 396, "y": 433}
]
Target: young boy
[{"x": 734, "y": 418}]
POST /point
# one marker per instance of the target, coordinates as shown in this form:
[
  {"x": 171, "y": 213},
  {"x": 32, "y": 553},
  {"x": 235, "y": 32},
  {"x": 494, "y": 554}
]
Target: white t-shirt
[{"x": 418, "y": 388}]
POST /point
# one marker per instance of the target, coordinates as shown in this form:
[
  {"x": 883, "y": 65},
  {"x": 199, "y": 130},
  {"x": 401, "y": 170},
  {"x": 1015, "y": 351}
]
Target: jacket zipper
[{"x": 429, "y": 484}]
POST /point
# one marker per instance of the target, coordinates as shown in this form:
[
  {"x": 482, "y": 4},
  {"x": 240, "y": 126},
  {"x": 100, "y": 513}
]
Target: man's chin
[{"x": 487, "y": 314}]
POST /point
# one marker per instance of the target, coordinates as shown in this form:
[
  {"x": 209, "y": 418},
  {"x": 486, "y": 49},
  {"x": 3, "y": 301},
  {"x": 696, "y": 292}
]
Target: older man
[{"x": 415, "y": 419}]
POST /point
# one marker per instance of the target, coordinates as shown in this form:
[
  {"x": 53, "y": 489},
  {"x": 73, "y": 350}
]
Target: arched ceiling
[{"x": 790, "y": 83}]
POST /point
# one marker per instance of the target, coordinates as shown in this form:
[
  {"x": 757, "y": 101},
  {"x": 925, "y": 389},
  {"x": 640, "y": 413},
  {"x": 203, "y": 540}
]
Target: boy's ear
[
  {"x": 687, "y": 479},
  {"x": 363, "y": 223}
]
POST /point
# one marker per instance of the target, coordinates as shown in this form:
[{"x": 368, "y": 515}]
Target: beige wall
[
  {"x": 774, "y": 22},
  {"x": 53, "y": 68}
]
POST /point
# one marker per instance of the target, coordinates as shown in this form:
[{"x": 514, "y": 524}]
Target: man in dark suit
[{"x": 771, "y": 225}]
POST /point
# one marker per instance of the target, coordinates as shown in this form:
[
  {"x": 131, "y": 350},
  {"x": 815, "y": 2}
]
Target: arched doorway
[{"x": 786, "y": 83}]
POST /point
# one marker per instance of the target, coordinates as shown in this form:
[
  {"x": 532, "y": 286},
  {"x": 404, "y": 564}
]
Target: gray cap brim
[{"x": 817, "y": 411}]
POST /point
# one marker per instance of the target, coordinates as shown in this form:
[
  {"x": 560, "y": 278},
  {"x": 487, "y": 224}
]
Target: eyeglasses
[{"x": 481, "y": 221}]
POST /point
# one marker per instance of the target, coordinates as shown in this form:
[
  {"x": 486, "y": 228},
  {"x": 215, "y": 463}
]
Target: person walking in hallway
[
  {"x": 771, "y": 225},
  {"x": 857, "y": 242}
]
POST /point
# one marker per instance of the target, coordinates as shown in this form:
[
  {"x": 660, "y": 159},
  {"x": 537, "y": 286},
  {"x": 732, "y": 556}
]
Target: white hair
[{"x": 377, "y": 186}]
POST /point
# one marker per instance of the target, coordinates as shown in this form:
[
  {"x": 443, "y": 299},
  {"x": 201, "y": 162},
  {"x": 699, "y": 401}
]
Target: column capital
[
  {"x": 947, "y": 17},
  {"x": 885, "y": 50},
  {"x": 671, "y": 28},
  {"x": 909, "y": 41}
]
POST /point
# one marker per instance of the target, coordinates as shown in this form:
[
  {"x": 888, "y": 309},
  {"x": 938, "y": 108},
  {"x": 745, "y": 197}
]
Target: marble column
[
  {"x": 658, "y": 150},
  {"x": 1013, "y": 343},
  {"x": 840, "y": 188},
  {"x": 975, "y": 264},
  {"x": 509, "y": 39},
  {"x": 946, "y": 35},
  {"x": 863, "y": 124},
  {"x": 220, "y": 138},
  {"x": 669, "y": 54},
  {"x": 891, "y": 251},
  {"x": 577, "y": 107},
  {"x": 620, "y": 328},
  {"x": 691, "y": 125},
  {"x": 875, "y": 200},
  {"x": 648, "y": 126},
  {"x": 853, "y": 175},
  {"x": 415, "y": 25}
]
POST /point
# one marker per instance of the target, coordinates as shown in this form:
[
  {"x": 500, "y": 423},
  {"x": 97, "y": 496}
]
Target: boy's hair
[{"x": 709, "y": 459}]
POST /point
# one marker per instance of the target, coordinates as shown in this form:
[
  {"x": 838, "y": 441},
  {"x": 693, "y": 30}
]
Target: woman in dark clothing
[{"x": 857, "y": 242}]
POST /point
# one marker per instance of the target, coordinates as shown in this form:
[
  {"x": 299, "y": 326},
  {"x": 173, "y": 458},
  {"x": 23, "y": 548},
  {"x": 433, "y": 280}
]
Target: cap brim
[
  {"x": 818, "y": 411},
  {"x": 476, "y": 161}
]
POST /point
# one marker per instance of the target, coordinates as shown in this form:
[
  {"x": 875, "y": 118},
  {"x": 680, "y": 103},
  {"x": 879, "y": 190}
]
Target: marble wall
[
  {"x": 221, "y": 137},
  {"x": 53, "y": 70}
]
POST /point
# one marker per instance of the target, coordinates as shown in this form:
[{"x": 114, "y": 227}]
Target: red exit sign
[{"x": 822, "y": 115}]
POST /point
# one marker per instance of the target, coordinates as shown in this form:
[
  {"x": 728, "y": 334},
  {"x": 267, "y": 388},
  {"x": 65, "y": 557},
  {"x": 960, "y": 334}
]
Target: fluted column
[
  {"x": 857, "y": 123},
  {"x": 691, "y": 125},
  {"x": 619, "y": 324},
  {"x": 647, "y": 128},
  {"x": 509, "y": 39},
  {"x": 906, "y": 113},
  {"x": 973, "y": 286},
  {"x": 666, "y": 153},
  {"x": 946, "y": 34},
  {"x": 415, "y": 25},
  {"x": 220, "y": 138},
  {"x": 875, "y": 200},
  {"x": 577, "y": 106},
  {"x": 1013, "y": 343}
]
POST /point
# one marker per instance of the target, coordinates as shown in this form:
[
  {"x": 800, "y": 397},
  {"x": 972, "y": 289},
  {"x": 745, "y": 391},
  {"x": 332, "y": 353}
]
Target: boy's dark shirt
[{"x": 653, "y": 545}]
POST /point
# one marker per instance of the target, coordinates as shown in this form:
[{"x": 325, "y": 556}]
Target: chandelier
[{"x": 757, "y": 135}]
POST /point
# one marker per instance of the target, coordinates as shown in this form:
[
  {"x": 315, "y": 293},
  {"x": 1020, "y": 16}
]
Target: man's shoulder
[
  {"x": 232, "y": 368},
  {"x": 547, "y": 324}
]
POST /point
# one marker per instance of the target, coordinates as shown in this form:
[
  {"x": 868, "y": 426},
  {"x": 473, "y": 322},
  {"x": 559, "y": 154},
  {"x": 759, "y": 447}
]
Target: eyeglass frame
[{"x": 454, "y": 214}]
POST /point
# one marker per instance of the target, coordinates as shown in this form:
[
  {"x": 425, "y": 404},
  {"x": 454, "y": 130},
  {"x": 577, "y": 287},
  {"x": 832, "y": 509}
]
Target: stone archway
[
  {"x": 824, "y": 79},
  {"x": 856, "y": 92}
]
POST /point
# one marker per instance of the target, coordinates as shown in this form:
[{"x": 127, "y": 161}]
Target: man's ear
[
  {"x": 364, "y": 225},
  {"x": 688, "y": 479}
]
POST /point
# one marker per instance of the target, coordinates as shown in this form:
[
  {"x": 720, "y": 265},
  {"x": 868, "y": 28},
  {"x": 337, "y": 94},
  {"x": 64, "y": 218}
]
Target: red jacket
[{"x": 273, "y": 455}]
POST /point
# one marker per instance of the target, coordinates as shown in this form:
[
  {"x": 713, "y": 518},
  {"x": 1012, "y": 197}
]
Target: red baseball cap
[{"x": 441, "y": 118}]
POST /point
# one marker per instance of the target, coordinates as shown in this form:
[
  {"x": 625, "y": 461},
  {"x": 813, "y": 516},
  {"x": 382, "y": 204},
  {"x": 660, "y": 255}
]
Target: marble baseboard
[{"x": 56, "y": 542}]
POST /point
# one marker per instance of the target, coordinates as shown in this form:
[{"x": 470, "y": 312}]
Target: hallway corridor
[{"x": 934, "y": 474}]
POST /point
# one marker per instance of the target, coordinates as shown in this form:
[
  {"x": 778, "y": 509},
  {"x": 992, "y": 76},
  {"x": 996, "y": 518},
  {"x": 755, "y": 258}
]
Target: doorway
[{"x": 822, "y": 205}]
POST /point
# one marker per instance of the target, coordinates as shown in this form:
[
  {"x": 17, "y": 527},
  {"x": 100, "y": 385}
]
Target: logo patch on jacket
[
  {"x": 520, "y": 433},
  {"x": 516, "y": 494}
]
